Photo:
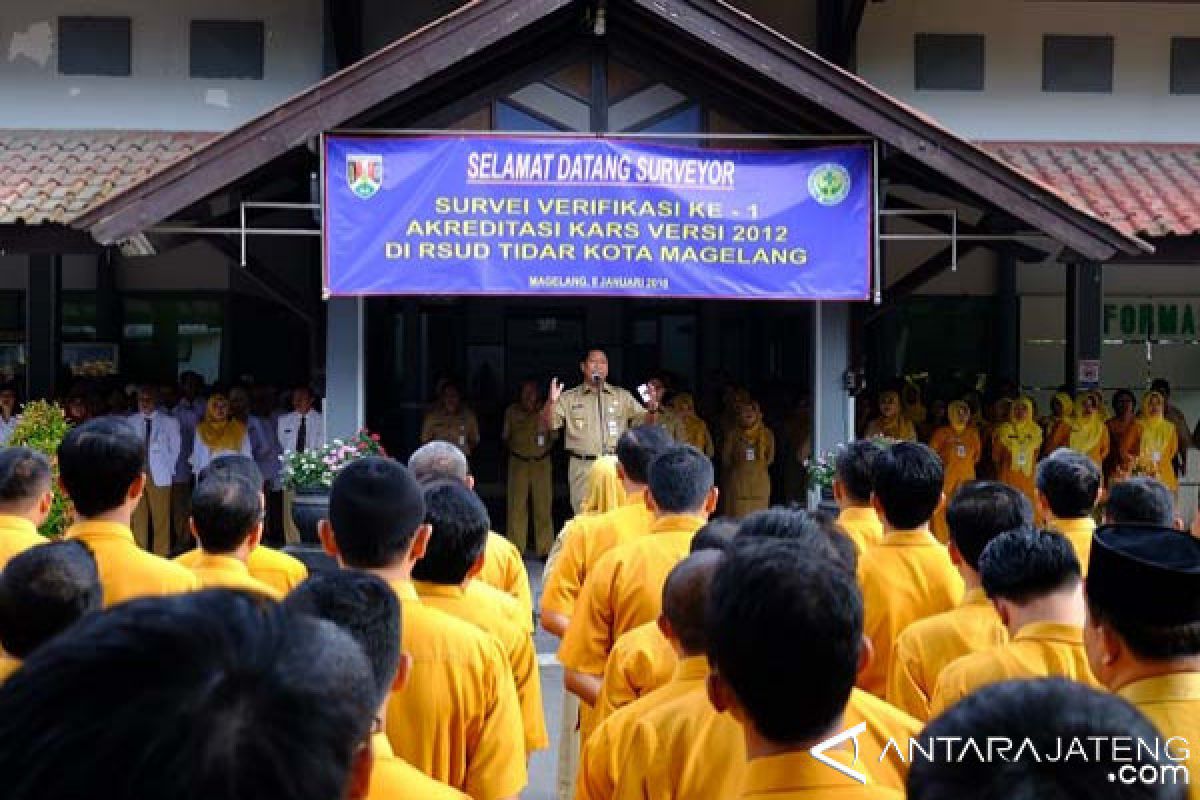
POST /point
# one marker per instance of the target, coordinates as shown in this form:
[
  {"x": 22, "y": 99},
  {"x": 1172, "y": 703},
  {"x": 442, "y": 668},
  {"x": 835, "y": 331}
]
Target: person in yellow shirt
[
  {"x": 1043, "y": 718},
  {"x": 454, "y": 555},
  {"x": 1068, "y": 489},
  {"x": 1015, "y": 447},
  {"x": 589, "y": 538},
  {"x": 1158, "y": 447},
  {"x": 1143, "y": 628},
  {"x": 530, "y": 476},
  {"x": 450, "y": 421},
  {"x": 188, "y": 697},
  {"x": 746, "y": 458},
  {"x": 365, "y": 607},
  {"x": 774, "y": 596},
  {"x": 891, "y": 422},
  {"x": 503, "y": 568},
  {"x": 1060, "y": 424},
  {"x": 280, "y": 571},
  {"x": 101, "y": 466},
  {"x": 980, "y": 512},
  {"x": 625, "y": 588},
  {"x": 26, "y": 495},
  {"x": 909, "y": 575},
  {"x": 691, "y": 429},
  {"x": 670, "y": 756},
  {"x": 459, "y": 719},
  {"x": 227, "y": 523},
  {"x": 1089, "y": 433},
  {"x": 43, "y": 592},
  {"x": 684, "y": 601},
  {"x": 1033, "y": 579},
  {"x": 959, "y": 447},
  {"x": 852, "y": 492},
  {"x": 643, "y": 659}
]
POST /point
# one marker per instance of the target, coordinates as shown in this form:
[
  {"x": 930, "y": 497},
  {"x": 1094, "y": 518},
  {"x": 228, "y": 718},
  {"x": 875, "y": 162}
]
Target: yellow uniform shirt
[
  {"x": 8, "y": 665},
  {"x": 479, "y": 592},
  {"x": 278, "y": 570},
  {"x": 461, "y": 429},
  {"x": 226, "y": 572},
  {"x": 624, "y": 591},
  {"x": 906, "y": 577},
  {"x": 606, "y": 750},
  {"x": 685, "y": 749},
  {"x": 1172, "y": 703},
  {"x": 925, "y": 648},
  {"x": 457, "y": 720},
  {"x": 1039, "y": 650},
  {"x": 641, "y": 661},
  {"x": 799, "y": 776},
  {"x": 1079, "y": 533},
  {"x": 584, "y": 541},
  {"x": 126, "y": 570},
  {"x": 504, "y": 569},
  {"x": 863, "y": 527},
  {"x": 517, "y": 644},
  {"x": 17, "y": 534},
  {"x": 392, "y": 778}
]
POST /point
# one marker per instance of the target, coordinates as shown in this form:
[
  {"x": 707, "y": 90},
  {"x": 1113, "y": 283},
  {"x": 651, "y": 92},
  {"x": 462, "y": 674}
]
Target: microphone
[{"x": 595, "y": 377}]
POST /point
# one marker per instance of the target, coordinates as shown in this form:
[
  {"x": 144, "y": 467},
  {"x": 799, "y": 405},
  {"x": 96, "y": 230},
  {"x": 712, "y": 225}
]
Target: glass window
[
  {"x": 949, "y": 61},
  {"x": 685, "y": 120},
  {"x": 1077, "y": 64},
  {"x": 94, "y": 46},
  {"x": 511, "y": 118},
  {"x": 163, "y": 337},
  {"x": 227, "y": 49},
  {"x": 78, "y": 317},
  {"x": 1185, "y": 65}
]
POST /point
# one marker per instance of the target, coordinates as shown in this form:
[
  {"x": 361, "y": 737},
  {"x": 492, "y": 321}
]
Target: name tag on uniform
[
  {"x": 612, "y": 427},
  {"x": 750, "y": 454},
  {"x": 1156, "y": 457},
  {"x": 541, "y": 440},
  {"x": 462, "y": 441},
  {"x": 961, "y": 451},
  {"x": 1022, "y": 459}
]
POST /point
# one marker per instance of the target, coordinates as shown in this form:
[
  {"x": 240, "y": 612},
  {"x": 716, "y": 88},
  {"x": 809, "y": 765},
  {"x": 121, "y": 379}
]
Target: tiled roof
[
  {"x": 55, "y": 176},
  {"x": 1145, "y": 190}
]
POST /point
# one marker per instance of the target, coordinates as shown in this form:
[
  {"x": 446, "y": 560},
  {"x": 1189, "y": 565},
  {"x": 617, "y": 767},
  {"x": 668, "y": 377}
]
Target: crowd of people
[{"x": 779, "y": 653}]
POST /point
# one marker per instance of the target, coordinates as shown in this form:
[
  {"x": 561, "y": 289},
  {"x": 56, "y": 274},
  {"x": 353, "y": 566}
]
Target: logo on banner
[
  {"x": 364, "y": 174},
  {"x": 829, "y": 184}
]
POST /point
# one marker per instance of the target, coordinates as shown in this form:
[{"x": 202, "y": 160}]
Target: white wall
[
  {"x": 1012, "y": 105},
  {"x": 159, "y": 95}
]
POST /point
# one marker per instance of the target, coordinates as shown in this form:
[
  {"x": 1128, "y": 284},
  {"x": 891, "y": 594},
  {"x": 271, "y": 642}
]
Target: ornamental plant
[
  {"x": 314, "y": 470},
  {"x": 822, "y": 468},
  {"x": 42, "y": 427}
]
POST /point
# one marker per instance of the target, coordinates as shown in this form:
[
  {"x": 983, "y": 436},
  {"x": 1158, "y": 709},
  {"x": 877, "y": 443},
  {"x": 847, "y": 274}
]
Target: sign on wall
[
  {"x": 594, "y": 217},
  {"x": 1141, "y": 318}
]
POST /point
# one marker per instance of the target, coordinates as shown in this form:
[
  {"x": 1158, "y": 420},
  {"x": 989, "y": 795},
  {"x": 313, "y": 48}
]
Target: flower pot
[
  {"x": 827, "y": 503},
  {"x": 309, "y": 507}
]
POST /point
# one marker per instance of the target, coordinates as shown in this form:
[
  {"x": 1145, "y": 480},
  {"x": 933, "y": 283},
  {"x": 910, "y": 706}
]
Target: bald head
[
  {"x": 685, "y": 599},
  {"x": 438, "y": 461}
]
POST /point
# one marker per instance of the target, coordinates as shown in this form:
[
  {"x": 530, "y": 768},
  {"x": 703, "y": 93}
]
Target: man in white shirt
[
  {"x": 162, "y": 440},
  {"x": 8, "y": 413},
  {"x": 188, "y": 412},
  {"x": 301, "y": 429}
]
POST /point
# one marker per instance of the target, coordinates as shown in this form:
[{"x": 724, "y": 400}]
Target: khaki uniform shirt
[
  {"x": 523, "y": 435},
  {"x": 461, "y": 429},
  {"x": 592, "y": 420}
]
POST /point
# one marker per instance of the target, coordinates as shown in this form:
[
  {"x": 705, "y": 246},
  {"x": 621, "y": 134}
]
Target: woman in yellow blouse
[
  {"x": 1015, "y": 447},
  {"x": 959, "y": 446},
  {"x": 891, "y": 422},
  {"x": 1159, "y": 441},
  {"x": 1089, "y": 434}
]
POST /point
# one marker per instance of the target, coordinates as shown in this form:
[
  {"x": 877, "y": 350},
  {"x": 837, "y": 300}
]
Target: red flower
[
  {"x": 362, "y": 445},
  {"x": 374, "y": 437}
]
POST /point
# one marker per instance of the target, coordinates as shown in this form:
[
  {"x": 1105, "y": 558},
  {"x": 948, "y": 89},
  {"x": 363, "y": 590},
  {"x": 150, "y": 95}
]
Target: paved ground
[{"x": 544, "y": 764}]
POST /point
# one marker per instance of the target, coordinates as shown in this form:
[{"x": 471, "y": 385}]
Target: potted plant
[
  {"x": 821, "y": 469},
  {"x": 309, "y": 475},
  {"x": 42, "y": 427}
]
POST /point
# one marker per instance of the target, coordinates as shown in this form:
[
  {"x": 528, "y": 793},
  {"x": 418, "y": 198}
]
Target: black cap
[
  {"x": 376, "y": 494},
  {"x": 1146, "y": 574}
]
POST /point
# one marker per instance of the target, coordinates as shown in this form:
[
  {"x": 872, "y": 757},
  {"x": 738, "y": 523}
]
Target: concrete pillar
[
  {"x": 43, "y": 324},
  {"x": 1085, "y": 325},
  {"x": 345, "y": 367},
  {"x": 833, "y": 413}
]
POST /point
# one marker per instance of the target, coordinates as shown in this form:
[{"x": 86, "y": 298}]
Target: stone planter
[{"x": 309, "y": 507}]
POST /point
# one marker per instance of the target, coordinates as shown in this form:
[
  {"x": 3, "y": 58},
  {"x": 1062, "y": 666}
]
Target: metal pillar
[
  {"x": 345, "y": 367},
  {"x": 43, "y": 329},
  {"x": 1084, "y": 323},
  {"x": 833, "y": 418}
]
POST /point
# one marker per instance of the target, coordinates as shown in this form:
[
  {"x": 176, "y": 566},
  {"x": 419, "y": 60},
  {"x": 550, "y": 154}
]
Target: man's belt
[
  {"x": 519, "y": 457},
  {"x": 582, "y": 457}
]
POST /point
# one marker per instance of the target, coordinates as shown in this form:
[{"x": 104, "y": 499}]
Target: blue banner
[{"x": 594, "y": 217}]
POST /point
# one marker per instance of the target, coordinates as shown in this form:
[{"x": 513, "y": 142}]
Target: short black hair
[
  {"x": 1119, "y": 393},
  {"x": 43, "y": 591},
  {"x": 982, "y": 510},
  {"x": 680, "y": 479},
  {"x": 799, "y": 524},
  {"x": 460, "y": 531},
  {"x": 98, "y": 462},
  {"x": 1045, "y": 713},
  {"x": 685, "y": 599},
  {"x": 716, "y": 534},
  {"x": 237, "y": 465},
  {"x": 1140, "y": 501},
  {"x": 256, "y": 703},
  {"x": 375, "y": 509},
  {"x": 24, "y": 476},
  {"x": 1162, "y": 386},
  {"x": 364, "y": 606},
  {"x": 853, "y": 468},
  {"x": 638, "y": 447},
  {"x": 907, "y": 478},
  {"x": 225, "y": 509},
  {"x": 1026, "y": 564},
  {"x": 785, "y": 632},
  {"x": 1070, "y": 483}
]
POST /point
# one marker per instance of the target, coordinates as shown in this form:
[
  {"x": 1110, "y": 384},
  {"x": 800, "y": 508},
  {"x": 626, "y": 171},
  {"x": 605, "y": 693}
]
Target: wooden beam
[{"x": 922, "y": 274}]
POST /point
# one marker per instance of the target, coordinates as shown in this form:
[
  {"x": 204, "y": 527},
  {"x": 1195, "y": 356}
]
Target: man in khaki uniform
[
  {"x": 450, "y": 421},
  {"x": 592, "y": 416},
  {"x": 529, "y": 471},
  {"x": 667, "y": 417}
]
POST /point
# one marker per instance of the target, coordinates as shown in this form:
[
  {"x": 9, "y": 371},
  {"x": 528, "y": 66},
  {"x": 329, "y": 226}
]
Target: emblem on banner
[
  {"x": 364, "y": 174},
  {"x": 829, "y": 184}
]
